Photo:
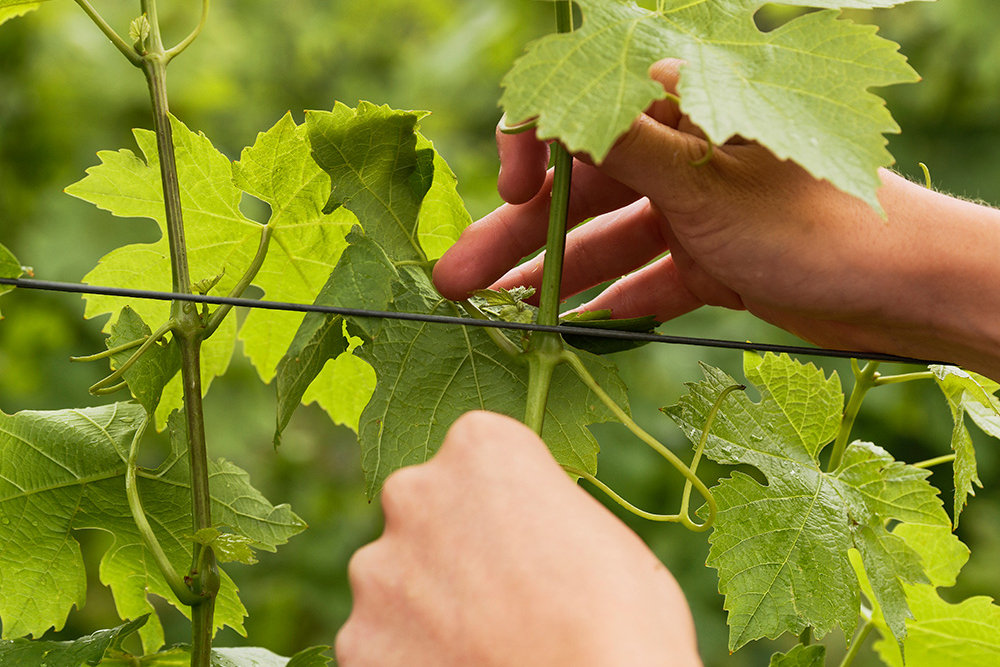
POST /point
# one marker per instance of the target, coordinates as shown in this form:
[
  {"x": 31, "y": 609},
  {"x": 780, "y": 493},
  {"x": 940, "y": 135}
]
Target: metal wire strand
[{"x": 75, "y": 288}]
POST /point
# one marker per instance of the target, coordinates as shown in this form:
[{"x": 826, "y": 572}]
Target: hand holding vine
[{"x": 747, "y": 230}]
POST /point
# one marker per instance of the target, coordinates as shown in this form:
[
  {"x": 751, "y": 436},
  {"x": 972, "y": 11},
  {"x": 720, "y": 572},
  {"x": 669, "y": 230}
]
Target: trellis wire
[{"x": 243, "y": 302}]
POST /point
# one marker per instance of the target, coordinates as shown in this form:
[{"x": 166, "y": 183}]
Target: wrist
[{"x": 945, "y": 272}]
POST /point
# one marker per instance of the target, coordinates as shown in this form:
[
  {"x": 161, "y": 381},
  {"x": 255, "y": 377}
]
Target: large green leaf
[
  {"x": 221, "y": 241},
  {"x": 430, "y": 374},
  {"x": 405, "y": 196},
  {"x": 9, "y": 268},
  {"x": 89, "y": 650},
  {"x": 972, "y": 394},
  {"x": 64, "y": 471},
  {"x": 180, "y": 656},
  {"x": 363, "y": 278},
  {"x": 801, "y": 89},
  {"x": 781, "y": 549}
]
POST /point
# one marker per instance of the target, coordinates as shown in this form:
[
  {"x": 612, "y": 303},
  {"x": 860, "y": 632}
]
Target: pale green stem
[
  {"x": 546, "y": 347},
  {"x": 904, "y": 377},
  {"x": 241, "y": 286},
  {"x": 188, "y": 330},
  {"x": 110, "y": 33},
  {"x": 930, "y": 463},
  {"x": 859, "y": 639},
  {"x": 186, "y": 42},
  {"x": 686, "y": 497},
  {"x": 663, "y": 518},
  {"x": 111, "y": 351},
  {"x": 864, "y": 379},
  {"x": 806, "y": 636},
  {"x": 170, "y": 574},
  {"x": 574, "y": 362}
]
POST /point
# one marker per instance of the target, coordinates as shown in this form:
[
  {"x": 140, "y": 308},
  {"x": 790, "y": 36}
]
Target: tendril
[
  {"x": 574, "y": 362},
  {"x": 113, "y": 383}
]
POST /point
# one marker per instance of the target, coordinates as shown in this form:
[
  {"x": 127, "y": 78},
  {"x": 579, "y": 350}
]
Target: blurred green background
[{"x": 65, "y": 93}]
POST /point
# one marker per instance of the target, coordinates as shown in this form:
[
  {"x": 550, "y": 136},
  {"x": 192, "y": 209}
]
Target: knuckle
[{"x": 404, "y": 491}]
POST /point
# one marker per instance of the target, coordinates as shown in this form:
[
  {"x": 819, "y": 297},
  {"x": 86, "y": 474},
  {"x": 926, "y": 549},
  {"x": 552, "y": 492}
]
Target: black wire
[{"x": 52, "y": 286}]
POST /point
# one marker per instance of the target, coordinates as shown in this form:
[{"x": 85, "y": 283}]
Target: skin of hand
[
  {"x": 492, "y": 556},
  {"x": 747, "y": 230}
]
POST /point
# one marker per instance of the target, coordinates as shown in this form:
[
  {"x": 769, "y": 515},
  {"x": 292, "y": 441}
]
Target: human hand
[
  {"x": 492, "y": 556},
  {"x": 745, "y": 231}
]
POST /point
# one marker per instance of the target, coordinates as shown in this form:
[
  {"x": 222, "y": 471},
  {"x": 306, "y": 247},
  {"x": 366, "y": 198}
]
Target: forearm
[{"x": 945, "y": 275}]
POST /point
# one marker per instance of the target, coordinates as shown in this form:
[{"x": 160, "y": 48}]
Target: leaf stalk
[
  {"x": 170, "y": 573},
  {"x": 186, "y": 42},
  {"x": 109, "y": 32},
  {"x": 244, "y": 282},
  {"x": 864, "y": 380}
]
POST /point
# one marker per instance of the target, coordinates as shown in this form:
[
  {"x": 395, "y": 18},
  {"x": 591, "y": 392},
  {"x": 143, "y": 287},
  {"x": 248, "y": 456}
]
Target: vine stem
[
  {"x": 864, "y": 380},
  {"x": 546, "y": 347},
  {"x": 188, "y": 329}
]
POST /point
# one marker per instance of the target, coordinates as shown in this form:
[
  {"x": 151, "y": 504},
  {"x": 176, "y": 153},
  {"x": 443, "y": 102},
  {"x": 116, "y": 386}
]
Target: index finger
[{"x": 523, "y": 162}]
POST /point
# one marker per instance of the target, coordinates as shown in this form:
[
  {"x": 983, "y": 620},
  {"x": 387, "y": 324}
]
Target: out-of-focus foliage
[{"x": 65, "y": 93}]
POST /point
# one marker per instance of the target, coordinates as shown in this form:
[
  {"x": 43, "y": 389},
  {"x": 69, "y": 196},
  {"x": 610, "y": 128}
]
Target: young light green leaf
[
  {"x": 972, "y": 394},
  {"x": 782, "y": 549},
  {"x": 939, "y": 633},
  {"x": 89, "y": 650},
  {"x": 363, "y": 278},
  {"x": 228, "y": 547},
  {"x": 800, "y": 656},
  {"x": 151, "y": 372},
  {"x": 10, "y": 9},
  {"x": 801, "y": 89},
  {"x": 442, "y": 215},
  {"x": 428, "y": 375},
  {"x": 64, "y": 471},
  {"x": 9, "y": 268},
  {"x": 304, "y": 243}
]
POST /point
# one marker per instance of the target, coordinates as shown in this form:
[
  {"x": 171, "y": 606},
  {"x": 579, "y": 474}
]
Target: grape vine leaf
[
  {"x": 180, "y": 656},
  {"x": 149, "y": 373},
  {"x": 9, "y": 268},
  {"x": 367, "y": 152},
  {"x": 940, "y": 633},
  {"x": 89, "y": 650},
  {"x": 972, "y": 394},
  {"x": 800, "y": 656},
  {"x": 304, "y": 243},
  {"x": 781, "y": 549},
  {"x": 363, "y": 278},
  {"x": 427, "y": 376},
  {"x": 801, "y": 89},
  {"x": 64, "y": 471},
  {"x": 10, "y": 9}
]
